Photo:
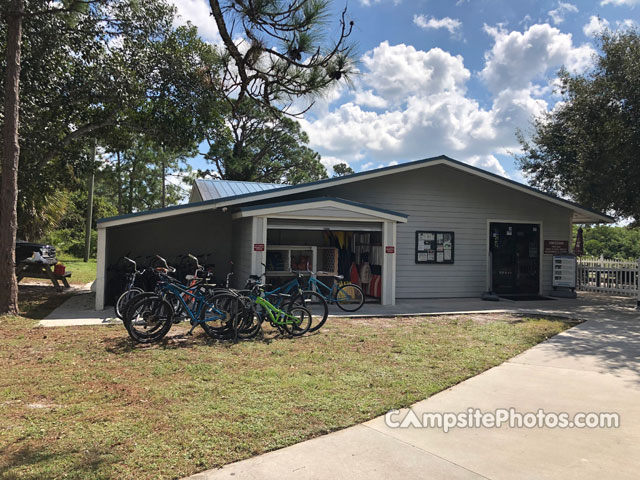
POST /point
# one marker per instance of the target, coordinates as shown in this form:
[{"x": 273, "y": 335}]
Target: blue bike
[
  {"x": 348, "y": 296},
  {"x": 218, "y": 314}
]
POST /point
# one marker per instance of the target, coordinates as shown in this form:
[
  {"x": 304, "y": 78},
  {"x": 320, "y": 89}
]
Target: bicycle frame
[
  {"x": 283, "y": 318},
  {"x": 317, "y": 286},
  {"x": 287, "y": 288},
  {"x": 199, "y": 298}
]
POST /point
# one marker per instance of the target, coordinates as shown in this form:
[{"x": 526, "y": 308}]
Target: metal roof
[{"x": 217, "y": 189}]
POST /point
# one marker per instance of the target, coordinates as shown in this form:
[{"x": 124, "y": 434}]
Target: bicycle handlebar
[
  {"x": 195, "y": 259},
  {"x": 135, "y": 265},
  {"x": 164, "y": 262}
]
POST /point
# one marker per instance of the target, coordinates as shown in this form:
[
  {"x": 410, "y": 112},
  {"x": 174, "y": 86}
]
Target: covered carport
[
  {"x": 168, "y": 233},
  {"x": 236, "y": 230}
]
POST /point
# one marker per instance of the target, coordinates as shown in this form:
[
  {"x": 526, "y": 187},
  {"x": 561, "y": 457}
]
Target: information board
[
  {"x": 434, "y": 247},
  {"x": 556, "y": 247},
  {"x": 564, "y": 271}
]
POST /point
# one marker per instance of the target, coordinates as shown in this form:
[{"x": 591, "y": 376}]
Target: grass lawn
[
  {"x": 85, "y": 403},
  {"x": 81, "y": 272}
]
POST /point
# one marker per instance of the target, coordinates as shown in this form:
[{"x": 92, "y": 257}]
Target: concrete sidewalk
[
  {"x": 593, "y": 367},
  {"x": 80, "y": 310}
]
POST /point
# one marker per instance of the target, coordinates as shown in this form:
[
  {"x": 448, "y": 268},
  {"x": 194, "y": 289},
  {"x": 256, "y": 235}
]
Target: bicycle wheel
[
  {"x": 250, "y": 324},
  {"x": 349, "y": 297},
  {"x": 124, "y": 299},
  {"x": 316, "y": 304},
  {"x": 220, "y": 316},
  {"x": 130, "y": 312},
  {"x": 302, "y": 321},
  {"x": 151, "y": 321}
]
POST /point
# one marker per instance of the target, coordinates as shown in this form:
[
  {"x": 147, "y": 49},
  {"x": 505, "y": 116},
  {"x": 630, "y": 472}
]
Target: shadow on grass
[
  {"x": 179, "y": 341},
  {"x": 523, "y": 318},
  {"x": 38, "y": 301},
  {"x": 32, "y": 463}
]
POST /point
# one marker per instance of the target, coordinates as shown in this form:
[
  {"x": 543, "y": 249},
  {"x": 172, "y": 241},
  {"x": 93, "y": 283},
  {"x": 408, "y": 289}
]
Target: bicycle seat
[
  {"x": 189, "y": 277},
  {"x": 339, "y": 277}
]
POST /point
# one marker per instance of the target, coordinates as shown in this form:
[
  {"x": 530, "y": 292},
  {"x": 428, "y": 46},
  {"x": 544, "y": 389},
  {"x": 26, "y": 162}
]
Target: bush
[{"x": 71, "y": 241}]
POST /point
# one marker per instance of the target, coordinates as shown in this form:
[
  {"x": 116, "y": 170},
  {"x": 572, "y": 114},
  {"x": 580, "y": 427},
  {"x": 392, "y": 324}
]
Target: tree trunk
[{"x": 10, "y": 158}]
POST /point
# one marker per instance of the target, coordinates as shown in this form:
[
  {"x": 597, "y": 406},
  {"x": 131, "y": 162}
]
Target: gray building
[{"x": 427, "y": 229}]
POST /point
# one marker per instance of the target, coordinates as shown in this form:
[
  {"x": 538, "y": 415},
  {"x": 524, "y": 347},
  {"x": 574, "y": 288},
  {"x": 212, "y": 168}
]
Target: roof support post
[
  {"x": 258, "y": 245},
  {"x": 100, "y": 267},
  {"x": 389, "y": 263}
]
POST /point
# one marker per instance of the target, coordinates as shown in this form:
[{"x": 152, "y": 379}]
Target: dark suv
[{"x": 25, "y": 250}]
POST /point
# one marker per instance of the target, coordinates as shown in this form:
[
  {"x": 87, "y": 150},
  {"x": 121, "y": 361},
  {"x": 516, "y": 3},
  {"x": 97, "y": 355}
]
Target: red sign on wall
[
  {"x": 258, "y": 247},
  {"x": 390, "y": 249}
]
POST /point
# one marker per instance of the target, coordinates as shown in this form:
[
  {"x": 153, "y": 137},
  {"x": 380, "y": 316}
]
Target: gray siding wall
[
  {"x": 241, "y": 250},
  {"x": 442, "y": 198}
]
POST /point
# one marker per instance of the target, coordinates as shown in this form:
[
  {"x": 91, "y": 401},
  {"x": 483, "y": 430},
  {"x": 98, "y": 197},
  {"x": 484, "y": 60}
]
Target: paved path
[
  {"x": 594, "y": 367},
  {"x": 80, "y": 310}
]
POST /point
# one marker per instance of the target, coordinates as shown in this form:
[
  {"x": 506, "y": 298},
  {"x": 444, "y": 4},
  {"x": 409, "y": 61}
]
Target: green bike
[{"x": 296, "y": 320}]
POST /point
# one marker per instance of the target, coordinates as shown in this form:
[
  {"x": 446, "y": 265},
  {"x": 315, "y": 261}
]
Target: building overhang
[{"x": 322, "y": 208}]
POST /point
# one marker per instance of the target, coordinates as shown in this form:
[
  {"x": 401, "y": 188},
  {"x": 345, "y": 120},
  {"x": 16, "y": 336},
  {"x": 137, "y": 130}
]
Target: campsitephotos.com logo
[{"x": 501, "y": 417}]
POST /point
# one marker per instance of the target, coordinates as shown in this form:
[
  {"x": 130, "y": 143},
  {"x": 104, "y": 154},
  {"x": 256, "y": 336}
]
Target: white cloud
[
  {"x": 368, "y": 3},
  {"x": 369, "y": 99},
  {"x": 198, "y": 13},
  {"x": 519, "y": 58},
  {"x": 411, "y": 104},
  {"x": 626, "y": 24},
  {"x": 558, "y": 13},
  {"x": 452, "y": 25},
  {"x": 595, "y": 26},
  {"x": 425, "y": 120},
  {"x": 487, "y": 162},
  {"x": 399, "y": 71},
  {"x": 329, "y": 162},
  {"x": 628, "y": 3}
]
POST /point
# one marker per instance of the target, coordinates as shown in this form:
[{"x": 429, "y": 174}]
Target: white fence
[{"x": 608, "y": 276}]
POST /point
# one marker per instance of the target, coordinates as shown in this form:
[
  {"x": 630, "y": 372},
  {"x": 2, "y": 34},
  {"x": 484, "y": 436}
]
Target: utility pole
[
  {"x": 119, "y": 173},
  {"x": 87, "y": 233},
  {"x": 163, "y": 180}
]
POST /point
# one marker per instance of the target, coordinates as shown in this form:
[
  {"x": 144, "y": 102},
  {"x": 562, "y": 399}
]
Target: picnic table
[{"x": 41, "y": 269}]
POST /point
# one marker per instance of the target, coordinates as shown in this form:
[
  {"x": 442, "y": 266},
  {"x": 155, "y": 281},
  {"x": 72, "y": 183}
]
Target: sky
[{"x": 452, "y": 77}]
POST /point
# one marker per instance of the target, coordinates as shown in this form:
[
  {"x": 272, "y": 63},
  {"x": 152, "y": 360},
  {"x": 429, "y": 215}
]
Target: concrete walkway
[
  {"x": 593, "y": 367},
  {"x": 80, "y": 310}
]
